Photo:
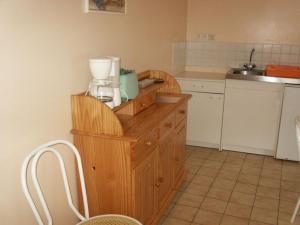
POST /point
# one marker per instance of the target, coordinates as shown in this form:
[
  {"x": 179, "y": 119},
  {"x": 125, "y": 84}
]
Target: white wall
[{"x": 44, "y": 48}]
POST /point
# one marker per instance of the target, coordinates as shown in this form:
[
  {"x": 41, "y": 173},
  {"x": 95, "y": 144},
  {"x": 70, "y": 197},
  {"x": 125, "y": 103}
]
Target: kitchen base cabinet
[
  {"x": 127, "y": 154},
  {"x": 144, "y": 189},
  {"x": 251, "y": 116},
  {"x": 205, "y": 114},
  {"x": 179, "y": 152}
]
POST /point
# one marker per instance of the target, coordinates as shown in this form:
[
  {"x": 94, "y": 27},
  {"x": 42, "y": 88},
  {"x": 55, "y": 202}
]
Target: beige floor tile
[
  {"x": 229, "y": 166},
  {"x": 230, "y": 220},
  {"x": 220, "y": 194},
  {"x": 234, "y": 161},
  {"x": 214, "y": 205},
  {"x": 189, "y": 177},
  {"x": 266, "y": 203},
  {"x": 257, "y": 223},
  {"x": 238, "y": 210},
  {"x": 223, "y": 183},
  {"x": 268, "y": 192},
  {"x": 290, "y": 186},
  {"x": 269, "y": 182},
  {"x": 245, "y": 188},
  {"x": 190, "y": 200},
  {"x": 286, "y": 206},
  {"x": 217, "y": 157},
  {"x": 291, "y": 169},
  {"x": 232, "y": 154},
  {"x": 208, "y": 172},
  {"x": 242, "y": 198},
  {"x": 203, "y": 180},
  {"x": 268, "y": 173},
  {"x": 183, "y": 212},
  {"x": 289, "y": 196},
  {"x": 212, "y": 164},
  {"x": 251, "y": 170},
  {"x": 264, "y": 215},
  {"x": 192, "y": 169},
  {"x": 248, "y": 179},
  {"x": 174, "y": 221},
  {"x": 292, "y": 177},
  {"x": 285, "y": 218},
  {"x": 194, "y": 161},
  {"x": 255, "y": 157},
  {"x": 207, "y": 218},
  {"x": 228, "y": 174},
  {"x": 196, "y": 189}
]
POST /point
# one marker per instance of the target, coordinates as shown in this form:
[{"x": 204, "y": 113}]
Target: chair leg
[{"x": 295, "y": 211}]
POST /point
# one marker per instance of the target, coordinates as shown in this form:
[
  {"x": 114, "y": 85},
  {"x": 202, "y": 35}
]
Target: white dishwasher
[
  {"x": 205, "y": 111},
  {"x": 287, "y": 143}
]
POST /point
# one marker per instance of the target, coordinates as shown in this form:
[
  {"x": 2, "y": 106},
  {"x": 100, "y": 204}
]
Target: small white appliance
[
  {"x": 287, "y": 147},
  {"x": 105, "y": 83},
  {"x": 115, "y": 76}
]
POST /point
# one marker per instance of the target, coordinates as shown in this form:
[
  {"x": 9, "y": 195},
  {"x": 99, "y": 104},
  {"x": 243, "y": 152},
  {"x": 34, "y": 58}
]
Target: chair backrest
[
  {"x": 298, "y": 134},
  {"x": 35, "y": 156}
]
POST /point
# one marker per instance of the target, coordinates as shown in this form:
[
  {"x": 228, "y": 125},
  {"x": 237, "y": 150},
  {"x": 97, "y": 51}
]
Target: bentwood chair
[
  {"x": 298, "y": 140},
  {"x": 34, "y": 156}
]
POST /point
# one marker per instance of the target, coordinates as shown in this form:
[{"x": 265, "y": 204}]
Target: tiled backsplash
[{"x": 215, "y": 54}]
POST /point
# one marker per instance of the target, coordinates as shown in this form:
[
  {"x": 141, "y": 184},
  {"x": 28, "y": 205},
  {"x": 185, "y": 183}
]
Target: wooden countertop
[{"x": 135, "y": 126}]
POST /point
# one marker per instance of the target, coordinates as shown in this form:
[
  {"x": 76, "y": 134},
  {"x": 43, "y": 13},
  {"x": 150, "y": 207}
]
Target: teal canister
[{"x": 129, "y": 86}]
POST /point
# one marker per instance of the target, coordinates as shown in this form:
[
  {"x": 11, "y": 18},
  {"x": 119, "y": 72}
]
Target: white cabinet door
[
  {"x": 287, "y": 142},
  {"x": 205, "y": 119},
  {"x": 251, "y": 116}
]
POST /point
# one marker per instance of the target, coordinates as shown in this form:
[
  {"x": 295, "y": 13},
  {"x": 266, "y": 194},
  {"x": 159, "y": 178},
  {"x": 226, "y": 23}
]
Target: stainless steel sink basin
[{"x": 242, "y": 71}]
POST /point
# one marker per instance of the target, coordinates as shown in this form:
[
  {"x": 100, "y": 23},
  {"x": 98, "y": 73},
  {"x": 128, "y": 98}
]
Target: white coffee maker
[{"x": 105, "y": 84}]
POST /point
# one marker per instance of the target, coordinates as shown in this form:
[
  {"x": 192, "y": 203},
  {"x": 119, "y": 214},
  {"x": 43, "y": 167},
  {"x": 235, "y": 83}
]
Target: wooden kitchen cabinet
[
  {"x": 144, "y": 186},
  {"x": 133, "y": 155},
  {"x": 179, "y": 152}
]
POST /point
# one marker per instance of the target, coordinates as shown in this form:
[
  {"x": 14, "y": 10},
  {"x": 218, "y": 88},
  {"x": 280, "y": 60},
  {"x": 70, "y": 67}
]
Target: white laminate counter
[{"x": 207, "y": 76}]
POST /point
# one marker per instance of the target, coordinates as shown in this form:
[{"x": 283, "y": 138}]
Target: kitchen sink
[{"x": 243, "y": 71}]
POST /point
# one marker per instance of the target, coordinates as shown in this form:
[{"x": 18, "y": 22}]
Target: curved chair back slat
[{"x": 34, "y": 156}]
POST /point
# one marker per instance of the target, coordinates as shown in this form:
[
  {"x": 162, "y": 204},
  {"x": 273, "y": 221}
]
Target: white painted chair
[
  {"x": 298, "y": 139},
  {"x": 109, "y": 219}
]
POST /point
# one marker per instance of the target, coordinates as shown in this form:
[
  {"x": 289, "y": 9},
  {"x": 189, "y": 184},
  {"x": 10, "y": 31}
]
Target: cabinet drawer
[
  {"x": 145, "y": 145},
  {"x": 143, "y": 102},
  {"x": 180, "y": 114},
  {"x": 202, "y": 86},
  {"x": 167, "y": 126}
]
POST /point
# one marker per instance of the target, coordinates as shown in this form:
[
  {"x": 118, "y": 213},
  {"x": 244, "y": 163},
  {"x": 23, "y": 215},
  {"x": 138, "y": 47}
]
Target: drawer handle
[
  {"x": 160, "y": 179},
  {"x": 157, "y": 184},
  {"x": 142, "y": 104},
  {"x": 148, "y": 143},
  {"x": 176, "y": 159},
  {"x": 94, "y": 168},
  {"x": 169, "y": 125},
  {"x": 182, "y": 111}
]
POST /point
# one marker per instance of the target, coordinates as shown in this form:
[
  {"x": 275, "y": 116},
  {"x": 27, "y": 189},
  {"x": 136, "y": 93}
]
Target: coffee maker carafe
[{"x": 105, "y": 83}]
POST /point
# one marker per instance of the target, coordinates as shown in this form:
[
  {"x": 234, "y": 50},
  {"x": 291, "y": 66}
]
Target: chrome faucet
[{"x": 250, "y": 66}]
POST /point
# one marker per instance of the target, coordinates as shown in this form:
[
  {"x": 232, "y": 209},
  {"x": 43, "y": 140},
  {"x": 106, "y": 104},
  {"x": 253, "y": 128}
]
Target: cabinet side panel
[{"x": 107, "y": 170}]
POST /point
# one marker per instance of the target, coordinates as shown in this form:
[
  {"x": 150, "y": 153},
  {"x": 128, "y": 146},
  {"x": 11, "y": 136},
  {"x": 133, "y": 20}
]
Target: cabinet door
[
  {"x": 165, "y": 178},
  {"x": 251, "y": 116},
  {"x": 144, "y": 189},
  {"x": 179, "y": 150},
  {"x": 205, "y": 119}
]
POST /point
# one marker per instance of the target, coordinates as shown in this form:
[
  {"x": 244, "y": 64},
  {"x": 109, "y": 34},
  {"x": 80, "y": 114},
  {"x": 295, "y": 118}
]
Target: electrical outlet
[{"x": 206, "y": 37}]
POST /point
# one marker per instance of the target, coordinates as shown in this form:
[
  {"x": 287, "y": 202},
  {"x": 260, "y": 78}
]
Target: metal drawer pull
[
  {"x": 148, "y": 143},
  {"x": 182, "y": 111}
]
